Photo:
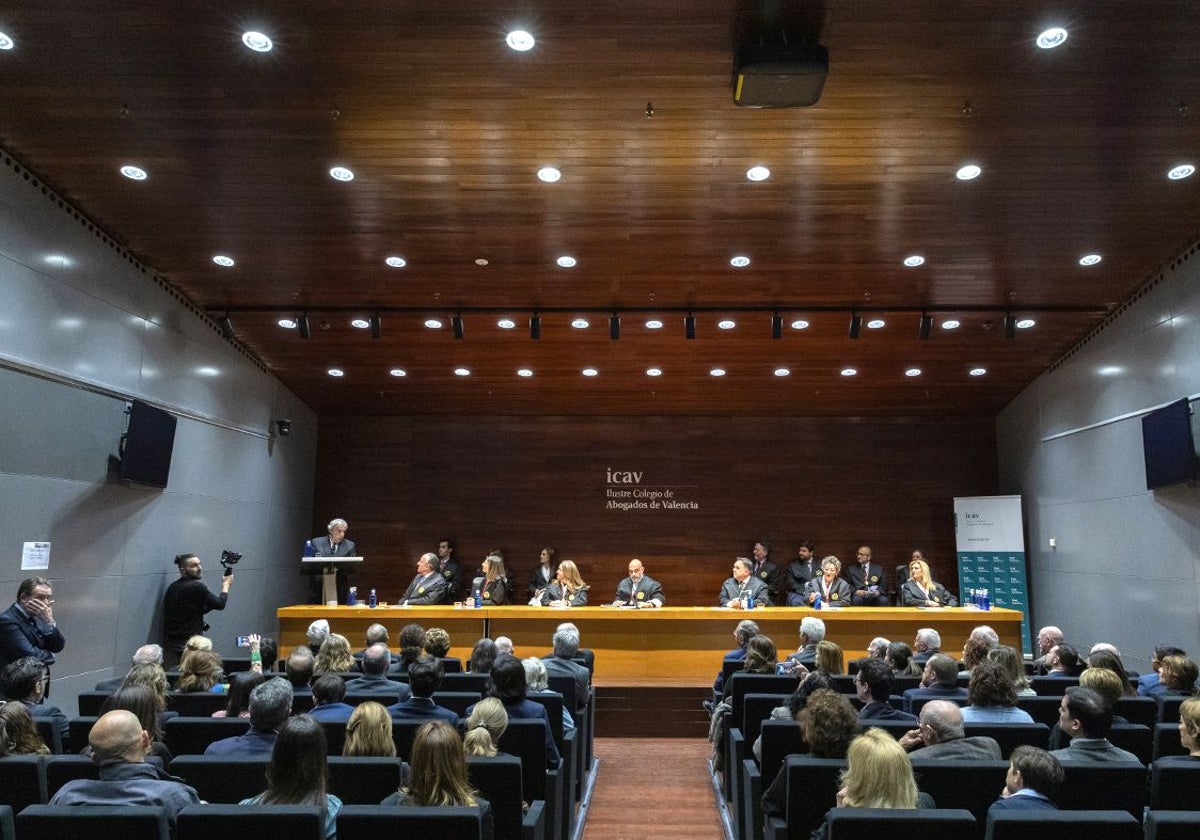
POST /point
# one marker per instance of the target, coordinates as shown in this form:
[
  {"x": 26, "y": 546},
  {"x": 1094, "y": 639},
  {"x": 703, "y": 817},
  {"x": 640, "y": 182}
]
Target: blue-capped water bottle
[
  {"x": 371, "y": 602},
  {"x": 817, "y": 602},
  {"x": 987, "y": 600},
  {"x": 352, "y": 597}
]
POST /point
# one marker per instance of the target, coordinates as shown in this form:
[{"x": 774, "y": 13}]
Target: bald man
[
  {"x": 940, "y": 734},
  {"x": 639, "y": 589},
  {"x": 119, "y": 746}
]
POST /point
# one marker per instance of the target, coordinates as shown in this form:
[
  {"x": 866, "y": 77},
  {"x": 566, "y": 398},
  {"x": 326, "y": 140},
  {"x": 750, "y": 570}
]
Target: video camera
[{"x": 229, "y": 560}]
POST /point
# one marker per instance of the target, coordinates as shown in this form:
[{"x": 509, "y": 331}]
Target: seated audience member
[
  {"x": 439, "y": 775},
  {"x": 1034, "y": 777},
  {"x": 196, "y": 643},
  {"x": 795, "y": 704},
  {"x": 742, "y": 585},
  {"x": 639, "y": 589},
  {"x": 829, "y": 586},
  {"x": 504, "y": 645},
  {"x": 119, "y": 746},
  {"x": 1010, "y": 660},
  {"x": 568, "y": 588},
  {"x": 268, "y": 655},
  {"x": 485, "y": 727},
  {"x": 270, "y": 705},
  {"x": 328, "y": 692},
  {"x": 18, "y": 732},
  {"x": 141, "y": 701},
  {"x": 297, "y": 773},
  {"x": 1149, "y": 685},
  {"x": 1105, "y": 683},
  {"x": 927, "y": 642},
  {"x": 877, "y": 648},
  {"x": 427, "y": 587},
  {"x": 369, "y": 731},
  {"x": 299, "y": 670},
  {"x": 868, "y": 585},
  {"x": 509, "y": 687},
  {"x": 830, "y": 660},
  {"x": 376, "y": 634},
  {"x": 200, "y": 671},
  {"x": 412, "y": 645},
  {"x": 975, "y": 650},
  {"x": 1189, "y": 726},
  {"x": 828, "y": 724},
  {"x": 1048, "y": 637},
  {"x": 745, "y": 630},
  {"x": 939, "y": 680},
  {"x": 991, "y": 697},
  {"x": 1178, "y": 674},
  {"x": 921, "y": 590},
  {"x": 437, "y": 642},
  {"x": 374, "y": 679},
  {"x": 940, "y": 734},
  {"x": 334, "y": 657},
  {"x": 899, "y": 657},
  {"x": 987, "y": 634},
  {"x": 146, "y": 654},
  {"x": 152, "y": 677},
  {"x": 491, "y": 587},
  {"x": 798, "y": 573},
  {"x": 812, "y": 633},
  {"x": 541, "y": 576},
  {"x": 537, "y": 681},
  {"x": 761, "y": 658},
  {"x": 561, "y": 663},
  {"x": 874, "y": 685},
  {"x": 317, "y": 631},
  {"x": 25, "y": 680},
  {"x": 1110, "y": 661},
  {"x": 1064, "y": 661},
  {"x": 424, "y": 678},
  {"x": 1085, "y": 718},
  {"x": 240, "y": 686},
  {"x": 878, "y": 774},
  {"x": 483, "y": 656}
]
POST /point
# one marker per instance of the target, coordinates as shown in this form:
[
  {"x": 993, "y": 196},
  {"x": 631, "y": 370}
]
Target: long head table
[{"x": 668, "y": 646}]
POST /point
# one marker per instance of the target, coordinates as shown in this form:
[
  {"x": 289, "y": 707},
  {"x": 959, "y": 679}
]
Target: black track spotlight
[
  {"x": 376, "y": 326},
  {"x": 925, "y": 326},
  {"x": 226, "y": 325},
  {"x": 303, "y": 325},
  {"x": 855, "y": 324},
  {"x": 614, "y": 326},
  {"x": 535, "y": 327},
  {"x": 1010, "y": 325},
  {"x": 776, "y": 326},
  {"x": 689, "y": 326},
  {"x": 456, "y": 323}
]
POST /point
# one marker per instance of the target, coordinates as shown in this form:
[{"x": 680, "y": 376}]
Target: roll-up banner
[{"x": 989, "y": 536}]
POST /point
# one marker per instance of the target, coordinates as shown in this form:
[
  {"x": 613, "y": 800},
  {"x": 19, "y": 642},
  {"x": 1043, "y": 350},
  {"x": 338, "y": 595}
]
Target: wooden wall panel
[{"x": 521, "y": 483}]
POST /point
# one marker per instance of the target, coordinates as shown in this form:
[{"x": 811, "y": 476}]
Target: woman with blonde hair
[
  {"x": 492, "y": 587},
  {"x": 568, "y": 588},
  {"x": 18, "y": 733},
  {"x": 334, "y": 657},
  {"x": 485, "y": 727},
  {"x": 921, "y": 590},
  {"x": 1189, "y": 726},
  {"x": 369, "y": 731},
  {"x": 878, "y": 774},
  {"x": 152, "y": 676},
  {"x": 830, "y": 659},
  {"x": 200, "y": 670}
]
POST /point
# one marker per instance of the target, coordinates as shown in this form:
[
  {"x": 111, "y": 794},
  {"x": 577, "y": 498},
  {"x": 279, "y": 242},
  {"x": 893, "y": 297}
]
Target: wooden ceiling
[{"x": 445, "y": 127}]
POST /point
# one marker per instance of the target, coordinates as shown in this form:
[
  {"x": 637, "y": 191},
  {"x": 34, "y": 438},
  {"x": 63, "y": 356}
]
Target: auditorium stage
[{"x": 672, "y": 646}]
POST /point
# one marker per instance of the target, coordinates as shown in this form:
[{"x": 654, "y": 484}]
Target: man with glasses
[
  {"x": 28, "y": 628},
  {"x": 24, "y": 681}
]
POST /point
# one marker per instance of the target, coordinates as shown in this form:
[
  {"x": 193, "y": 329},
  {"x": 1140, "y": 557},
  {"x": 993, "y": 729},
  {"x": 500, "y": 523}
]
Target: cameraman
[{"x": 184, "y": 606}]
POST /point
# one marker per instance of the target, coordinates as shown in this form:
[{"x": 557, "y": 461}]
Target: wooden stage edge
[{"x": 672, "y": 646}]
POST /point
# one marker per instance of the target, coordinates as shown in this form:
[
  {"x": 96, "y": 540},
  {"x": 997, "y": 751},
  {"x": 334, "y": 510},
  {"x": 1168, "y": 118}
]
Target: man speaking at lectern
[{"x": 334, "y": 545}]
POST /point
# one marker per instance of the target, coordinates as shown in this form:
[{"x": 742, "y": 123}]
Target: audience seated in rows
[
  {"x": 795, "y": 704},
  {"x": 369, "y": 731},
  {"x": 18, "y": 733},
  {"x": 334, "y": 656},
  {"x": 873, "y": 683},
  {"x": 145, "y": 655},
  {"x": 24, "y": 680},
  {"x": 485, "y": 727},
  {"x": 509, "y": 687},
  {"x": 240, "y": 686},
  {"x": 745, "y": 630},
  {"x": 940, "y": 734},
  {"x": 899, "y": 657},
  {"x": 939, "y": 681},
  {"x": 1010, "y": 661},
  {"x": 298, "y": 771},
  {"x": 812, "y": 633},
  {"x": 483, "y": 656},
  {"x": 1150, "y": 685},
  {"x": 374, "y": 680},
  {"x": 828, "y": 724},
  {"x": 141, "y": 701},
  {"x": 270, "y": 705},
  {"x": 153, "y": 677},
  {"x": 991, "y": 697},
  {"x": 299, "y": 670},
  {"x": 328, "y": 692},
  {"x": 927, "y": 642},
  {"x": 561, "y": 663},
  {"x": 424, "y": 678},
  {"x": 1085, "y": 717},
  {"x": 200, "y": 670},
  {"x": 537, "y": 680},
  {"x": 1033, "y": 779}
]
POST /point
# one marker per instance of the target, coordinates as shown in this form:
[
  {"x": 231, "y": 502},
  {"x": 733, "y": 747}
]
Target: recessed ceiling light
[
  {"x": 134, "y": 173},
  {"x": 758, "y": 173},
  {"x": 914, "y": 260},
  {"x": 1090, "y": 259},
  {"x": 462, "y": 371},
  {"x": 58, "y": 260},
  {"x": 849, "y": 372},
  {"x": 580, "y": 323},
  {"x": 287, "y": 323},
  {"x": 481, "y": 261},
  {"x": 913, "y": 372},
  {"x": 433, "y": 323},
  {"x": 589, "y": 371},
  {"x": 726, "y": 324},
  {"x": 876, "y": 324},
  {"x": 739, "y": 261},
  {"x": 398, "y": 372},
  {"x": 968, "y": 172},
  {"x": 1178, "y": 173},
  {"x": 519, "y": 40},
  {"x": 341, "y": 173},
  {"x": 1053, "y": 37},
  {"x": 654, "y": 324},
  {"x": 525, "y": 372},
  {"x": 257, "y": 41},
  {"x": 799, "y": 324},
  {"x": 360, "y": 323},
  {"x": 396, "y": 262},
  {"x": 207, "y": 371},
  {"x": 717, "y": 372},
  {"x": 223, "y": 261},
  {"x": 6, "y": 43},
  {"x": 1025, "y": 323},
  {"x": 506, "y": 324},
  {"x": 566, "y": 261},
  {"x": 548, "y": 174},
  {"x": 1110, "y": 370},
  {"x": 977, "y": 371},
  {"x": 336, "y": 372},
  {"x": 782, "y": 372},
  {"x": 654, "y": 371},
  {"x": 951, "y": 324}
]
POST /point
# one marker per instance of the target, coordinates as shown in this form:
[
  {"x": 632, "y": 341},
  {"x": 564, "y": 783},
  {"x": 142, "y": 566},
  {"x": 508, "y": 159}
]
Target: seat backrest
[
  {"x": 742, "y": 684},
  {"x": 384, "y": 822},
  {"x": 554, "y": 711},
  {"x": 456, "y": 701},
  {"x": 1166, "y": 740},
  {"x": 61, "y": 769},
  {"x": 1042, "y": 709},
  {"x": 812, "y": 786},
  {"x": 476, "y": 683},
  {"x": 918, "y": 703},
  {"x": 757, "y": 708},
  {"x": 903, "y": 684},
  {"x": 1062, "y": 825},
  {"x": 1168, "y": 708},
  {"x": 50, "y": 734},
  {"x": 220, "y": 779},
  {"x": 1143, "y": 710},
  {"x": 1134, "y": 738},
  {"x": 8, "y": 824},
  {"x": 729, "y": 667},
  {"x": 875, "y": 823},
  {"x": 780, "y": 738},
  {"x": 451, "y": 665},
  {"x": 1172, "y": 825},
  {"x": 565, "y": 685},
  {"x": 196, "y": 703},
  {"x": 498, "y": 780},
  {"x": 895, "y": 728},
  {"x": 1012, "y": 735},
  {"x": 1120, "y": 785},
  {"x": 251, "y": 822},
  {"x": 80, "y": 728},
  {"x": 970, "y": 784},
  {"x": 192, "y": 735},
  {"x": 91, "y": 701},
  {"x": 23, "y": 780},
  {"x": 526, "y": 739},
  {"x": 363, "y": 780},
  {"x": 95, "y": 822},
  {"x": 335, "y": 736},
  {"x": 844, "y": 683},
  {"x": 1052, "y": 686},
  {"x": 1174, "y": 783}
]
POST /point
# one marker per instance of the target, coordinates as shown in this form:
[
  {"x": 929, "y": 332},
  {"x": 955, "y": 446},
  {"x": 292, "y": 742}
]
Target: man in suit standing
[
  {"x": 448, "y": 568},
  {"x": 639, "y": 590},
  {"x": 765, "y": 570},
  {"x": 428, "y": 587},
  {"x": 28, "y": 628},
  {"x": 867, "y": 581},
  {"x": 743, "y": 583},
  {"x": 1034, "y": 777},
  {"x": 334, "y": 545},
  {"x": 799, "y": 572}
]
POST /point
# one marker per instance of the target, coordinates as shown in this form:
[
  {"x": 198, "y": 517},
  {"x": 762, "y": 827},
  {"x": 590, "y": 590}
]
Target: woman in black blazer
[{"x": 921, "y": 590}]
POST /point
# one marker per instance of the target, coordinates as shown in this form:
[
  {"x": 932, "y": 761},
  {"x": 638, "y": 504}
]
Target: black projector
[{"x": 780, "y": 76}]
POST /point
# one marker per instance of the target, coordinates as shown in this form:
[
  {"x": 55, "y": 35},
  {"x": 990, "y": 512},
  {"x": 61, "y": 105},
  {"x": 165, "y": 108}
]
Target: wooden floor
[{"x": 652, "y": 787}]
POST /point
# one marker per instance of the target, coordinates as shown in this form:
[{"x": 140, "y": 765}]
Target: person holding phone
[
  {"x": 184, "y": 606},
  {"x": 28, "y": 628}
]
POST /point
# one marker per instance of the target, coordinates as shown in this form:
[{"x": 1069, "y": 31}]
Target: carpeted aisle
[{"x": 652, "y": 787}]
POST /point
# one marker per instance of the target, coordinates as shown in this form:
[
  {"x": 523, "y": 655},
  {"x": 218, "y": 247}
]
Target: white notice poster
[{"x": 35, "y": 555}]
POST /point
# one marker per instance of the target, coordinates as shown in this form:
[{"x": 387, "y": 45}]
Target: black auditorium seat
[
  {"x": 1042, "y": 709},
  {"x": 962, "y": 783},
  {"x": 91, "y": 701},
  {"x": 1175, "y": 784},
  {"x": 1063, "y": 825},
  {"x": 192, "y": 735},
  {"x": 61, "y": 769},
  {"x": 1052, "y": 686},
  {"x": 1166, "y": 740},
  {"x": 1142, "y": 710},
  {"x": 526, "y": 739},
  {"x": 498, "y": 780},
  {"x": 95, "y": 822},
  {"x": 1121, "y": 785},
  {"x": 8, "y": 825},
  {"x": 1134, "y": 738},
  {"x": 364, "y": 780},
  {"x": 476, "y": 683},
  {"x": 23, "y": 780},
  {"x": 812, "y": 785},
  {"x": 221, "y": 779},
  {"x": 196, "y": 703},
  {"x": 251, "y": 822},
  {"x": 875, "y": 823},
  {"x": 1012, "y": 735},
  {"x": 1172, "y": 825},
  {"x": 383, "y": 822}
]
